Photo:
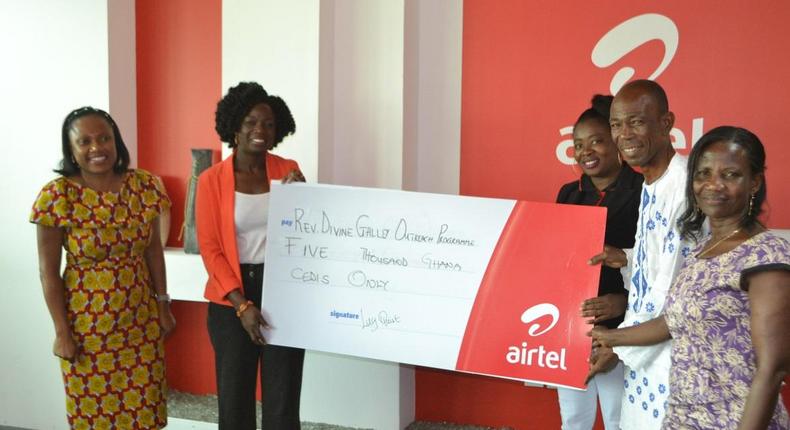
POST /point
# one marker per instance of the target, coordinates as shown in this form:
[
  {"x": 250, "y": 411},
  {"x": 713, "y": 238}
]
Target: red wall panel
[
  {"x": 179, "y": 65},
  {"x": 179, "y": 81},
  {"x": 188, "y": 353},
  {"x": 484, "y": 401}
]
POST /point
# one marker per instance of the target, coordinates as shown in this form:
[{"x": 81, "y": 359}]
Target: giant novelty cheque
[{"x": 472, "y": 284}]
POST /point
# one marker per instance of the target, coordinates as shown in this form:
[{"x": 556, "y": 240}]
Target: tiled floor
[
  {"x": 182, "y": 424},
  {"x": 172, "y": 424},
  {"x": 192, "y": 408}
]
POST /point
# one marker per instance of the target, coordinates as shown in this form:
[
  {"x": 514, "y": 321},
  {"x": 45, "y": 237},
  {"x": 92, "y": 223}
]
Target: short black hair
[
  {"x": 691, "y": 221},
  {"x": 598, "y": 111},
  {"x": 238, "y": 103},
  {"x": 68, "y": 167}
]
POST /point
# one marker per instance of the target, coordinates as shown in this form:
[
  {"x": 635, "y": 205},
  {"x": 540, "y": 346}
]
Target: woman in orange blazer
[{"x": 231, "y": 217}]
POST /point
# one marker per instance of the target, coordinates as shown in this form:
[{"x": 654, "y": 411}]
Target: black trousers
[{"x": 236, "y": 361}]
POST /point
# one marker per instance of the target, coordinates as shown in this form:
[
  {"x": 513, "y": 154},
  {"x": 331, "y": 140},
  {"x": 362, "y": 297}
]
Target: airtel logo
[
  {"x": 618, "y": 42},
  {"x": 538, "y": 356},
  {"x": 536, "y": 312},
  {"x": 628, "y": 36}
]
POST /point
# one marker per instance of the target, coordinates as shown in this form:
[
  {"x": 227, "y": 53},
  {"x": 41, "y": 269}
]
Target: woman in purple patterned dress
[{"x": 728, "y": 311}]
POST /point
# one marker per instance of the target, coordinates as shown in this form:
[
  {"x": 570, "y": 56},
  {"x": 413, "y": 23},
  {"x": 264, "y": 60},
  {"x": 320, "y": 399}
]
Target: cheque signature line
[{"x": 349, "y": 323}]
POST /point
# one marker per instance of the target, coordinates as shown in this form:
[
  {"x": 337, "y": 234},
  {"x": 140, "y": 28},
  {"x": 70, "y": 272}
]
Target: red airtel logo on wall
[{"x": 616, "y": 44}]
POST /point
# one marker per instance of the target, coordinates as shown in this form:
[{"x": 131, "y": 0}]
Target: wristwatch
[{"x": 163, "y": 298}]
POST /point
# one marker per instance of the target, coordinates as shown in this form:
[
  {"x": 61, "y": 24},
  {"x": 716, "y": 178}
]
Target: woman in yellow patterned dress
[{"x": 110, "y": 305}]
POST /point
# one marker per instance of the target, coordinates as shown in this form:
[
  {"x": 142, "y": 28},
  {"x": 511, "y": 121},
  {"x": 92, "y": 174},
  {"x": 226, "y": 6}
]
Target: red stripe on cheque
[{"x": 525, "y": 321}]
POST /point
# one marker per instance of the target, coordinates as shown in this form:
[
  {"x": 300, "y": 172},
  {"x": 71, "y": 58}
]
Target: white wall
[
  {"x": 275, "y": 43},
  {"x": 54, "y": 59},
  {"x": 365, "y": 72}
]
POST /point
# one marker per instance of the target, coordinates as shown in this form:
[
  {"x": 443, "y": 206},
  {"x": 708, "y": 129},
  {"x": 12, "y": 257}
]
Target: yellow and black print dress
[{"x": 118, "y": 379}]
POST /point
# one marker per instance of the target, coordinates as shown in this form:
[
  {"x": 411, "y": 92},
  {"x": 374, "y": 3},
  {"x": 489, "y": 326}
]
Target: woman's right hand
[
  {"x": 601, "y": 337},
  {"x": 253, "y": 322},
  {"x": 293, "y": 176},
  {"x": 65, "y": 347}
]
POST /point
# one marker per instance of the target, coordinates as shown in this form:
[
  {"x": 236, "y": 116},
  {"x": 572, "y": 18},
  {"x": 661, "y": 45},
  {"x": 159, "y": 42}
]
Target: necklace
[{"x": 712, "y": 247}]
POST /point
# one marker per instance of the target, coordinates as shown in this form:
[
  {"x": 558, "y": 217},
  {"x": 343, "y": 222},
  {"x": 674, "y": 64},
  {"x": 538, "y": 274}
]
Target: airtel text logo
[{"x": 537, "y": 356}]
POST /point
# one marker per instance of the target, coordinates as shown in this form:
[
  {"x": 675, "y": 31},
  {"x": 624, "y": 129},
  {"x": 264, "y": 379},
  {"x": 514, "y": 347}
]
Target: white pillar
[
  {"x": 123, "y": 71},
  {"x": 432, "y": 96}
]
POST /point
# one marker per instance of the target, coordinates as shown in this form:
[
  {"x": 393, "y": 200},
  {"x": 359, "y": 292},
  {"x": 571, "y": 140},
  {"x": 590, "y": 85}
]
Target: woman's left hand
[
  {"x": 166, "y": 319},
  {"x": 293, "y": 176}
]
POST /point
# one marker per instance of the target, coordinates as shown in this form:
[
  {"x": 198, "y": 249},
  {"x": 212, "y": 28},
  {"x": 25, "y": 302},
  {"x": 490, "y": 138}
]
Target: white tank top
[{"x": 251, "y": 218}]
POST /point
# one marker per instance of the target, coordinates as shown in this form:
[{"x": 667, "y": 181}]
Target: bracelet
[
  {"x": 163, "y": 298},
  {"x": 243, "y": 307}
]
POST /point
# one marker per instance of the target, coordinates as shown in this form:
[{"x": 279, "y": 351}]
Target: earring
[
  {"x": 73, "y": 160},
  {"x": 619, "y": 158},
  {"x": 751, "y": 206}
]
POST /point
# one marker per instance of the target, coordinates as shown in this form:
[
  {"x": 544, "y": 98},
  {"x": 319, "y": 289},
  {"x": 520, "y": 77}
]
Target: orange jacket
[{"x": 216, "y": 227}]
